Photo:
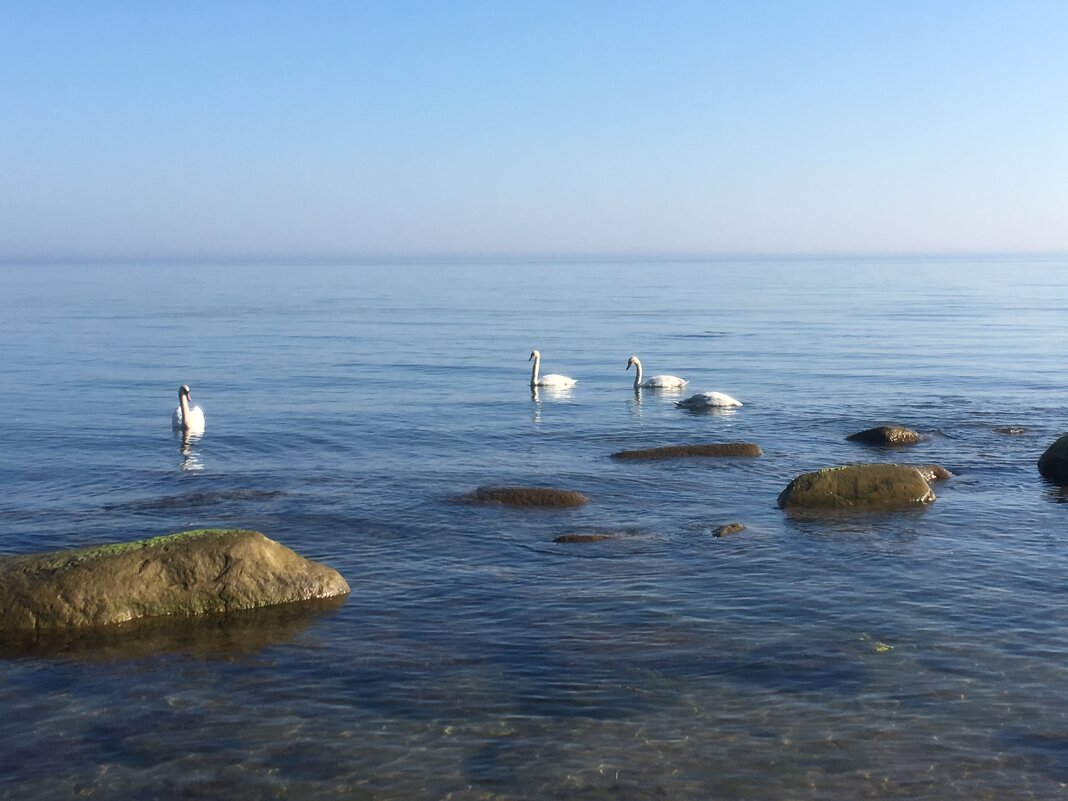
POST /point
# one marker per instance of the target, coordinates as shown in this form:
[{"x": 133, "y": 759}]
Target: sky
[{"x": 454, "y": 129}]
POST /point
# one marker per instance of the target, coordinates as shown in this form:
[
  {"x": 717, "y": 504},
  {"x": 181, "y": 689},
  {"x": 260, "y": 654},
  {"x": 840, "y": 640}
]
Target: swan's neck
[
  {"x": 183, "y": 401},
  {"x": 637, "y": 373},
  {"x": 534, "y": 371}
]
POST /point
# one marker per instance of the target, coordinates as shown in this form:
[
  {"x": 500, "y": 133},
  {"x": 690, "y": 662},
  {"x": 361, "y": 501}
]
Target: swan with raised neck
[
  {"x": 551, "y": 380},
  {"x": 657, "y": 381}
]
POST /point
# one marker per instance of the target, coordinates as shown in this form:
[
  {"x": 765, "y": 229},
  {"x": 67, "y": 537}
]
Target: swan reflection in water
[
  {"x": 538, "y": 394},
  {"x": 190, "y": 457}
]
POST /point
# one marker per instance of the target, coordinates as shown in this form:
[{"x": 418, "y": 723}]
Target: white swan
[
  {"x": 707, "y": 400},
  {"x": 657, "y": 381},
  {"x": 551, "y": 380},
  {"x": 187, "y": 419}
]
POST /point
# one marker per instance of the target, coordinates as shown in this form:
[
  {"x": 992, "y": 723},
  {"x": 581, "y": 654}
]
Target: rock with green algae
[
  {"x": 189, "y": 573},
  {"x": 886, "y": 435},
  {"x": 1053, "y": 464},
  {"x": 858, "y": 486}
]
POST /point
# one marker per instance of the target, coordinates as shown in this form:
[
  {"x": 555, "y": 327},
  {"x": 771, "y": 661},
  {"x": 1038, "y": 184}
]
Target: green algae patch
[
  {"x": 720, "y": 449},
  {"x": 886, "y": 435},
  {"x": 188, "y": 573},
  {"x": 859, "y": 487}
]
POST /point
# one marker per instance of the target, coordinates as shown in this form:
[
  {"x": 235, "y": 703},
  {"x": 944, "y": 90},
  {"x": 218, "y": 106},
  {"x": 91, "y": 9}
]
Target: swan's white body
[
  {"x": 657, "y": 381},
  {"x": 186, "y": 418},
  {"x": 708, "y": 400},
  {"x": 551, "y": 380}
]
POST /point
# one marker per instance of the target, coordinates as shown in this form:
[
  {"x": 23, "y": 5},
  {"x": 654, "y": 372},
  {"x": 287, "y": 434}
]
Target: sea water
[{"x": 918, "y": 654}]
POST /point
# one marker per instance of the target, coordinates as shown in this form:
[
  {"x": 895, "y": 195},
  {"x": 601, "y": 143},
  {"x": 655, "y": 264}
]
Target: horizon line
[{"x": 477, "y": 257}]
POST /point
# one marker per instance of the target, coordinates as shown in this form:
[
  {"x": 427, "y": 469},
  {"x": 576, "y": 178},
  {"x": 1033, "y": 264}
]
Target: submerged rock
[
  {"x": 683, "y": 451},
  {"x": 189, "y": 573},
  {"x": 1053, "y": 464},
  {"x": 546, "y": 497},
  {"x": 1011, "y": 431},
  {"x": 859, "y": 486},
  {"x": 932, "y": 472},
  {"x": 729, "y": 528},
  {"x": 595, "y": 537},
  {"x": 886, "y": 435}
]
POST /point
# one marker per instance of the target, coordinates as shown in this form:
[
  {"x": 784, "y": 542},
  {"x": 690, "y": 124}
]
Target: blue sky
[{"x": 360, "y": 130}]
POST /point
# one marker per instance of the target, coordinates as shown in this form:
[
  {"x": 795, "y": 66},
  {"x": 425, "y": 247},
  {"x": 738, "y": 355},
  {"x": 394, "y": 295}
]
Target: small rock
[
  {"x": 886, "y": 435},
  {"x": 544, "y": 497},
  {"x": 932, "y": 472},
  {"x": 568, "y": 538},
  {"x": 1053, "y": 464},
  {"x": 729, "y": 528},
  {"x": 681, "y": 451},
  {"x": 859, "y": 486},
  {"x": 1011, "y": 431}
]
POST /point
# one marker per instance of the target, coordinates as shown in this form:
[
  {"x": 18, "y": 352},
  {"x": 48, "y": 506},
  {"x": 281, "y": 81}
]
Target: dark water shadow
[{"x": 208, "y": 637}]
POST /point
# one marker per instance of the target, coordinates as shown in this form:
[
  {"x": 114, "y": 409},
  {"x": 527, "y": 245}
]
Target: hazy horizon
[{"x": 593, "y": 130}]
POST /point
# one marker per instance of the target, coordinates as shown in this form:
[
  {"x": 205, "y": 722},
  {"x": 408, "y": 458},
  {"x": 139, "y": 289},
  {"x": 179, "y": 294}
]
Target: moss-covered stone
[
  {"x": 544, "y": 497},
  {"x": 1053, "y": 464},
  {"x": 189, "y": 573},
  {"x": 721, "y": 449},
  {"x": 886, "y": 435},
  {"x": 859, "y": 486}
]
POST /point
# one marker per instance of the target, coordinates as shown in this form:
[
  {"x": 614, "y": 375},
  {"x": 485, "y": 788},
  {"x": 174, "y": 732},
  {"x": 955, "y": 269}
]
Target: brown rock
[
  {"x": 545, "y": 497},
  {"x": 682, "y": 451},
  {"x": 858, "y": 486},
  {"x": 190, "y": 573},
  {"x": 569, "y": 538},
  {"x": 729, "y": 528},
  {"x": 933, "y": 472},
  {"x": 886, "y": 435}
]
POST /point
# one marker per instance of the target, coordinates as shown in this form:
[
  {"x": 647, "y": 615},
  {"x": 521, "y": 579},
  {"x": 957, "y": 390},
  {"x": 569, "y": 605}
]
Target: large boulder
[
  {"x": 886, "y": 435},
  {"x": 858, "y": 486},
  {"x": 190, "y": 573},
  {"x": 1053, "y": 464},
  {"x": 717, "y": 449}
]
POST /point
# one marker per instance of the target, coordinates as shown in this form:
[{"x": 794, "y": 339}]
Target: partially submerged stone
[
  {"x": 933, "y": 472},
  {"x": 886, "y": 435},
  {"x": 593, "y": 537},
  {"x": 728, "y": 529},
  {"x": 859, "y": 486},
  {"x": 544, "y": 497},
  {"x": 189, "y": 573},
  {"x": 1011, "y": 431},
  {"x": 1053, "y": 464},
  {"x": 683, "y": 451}
]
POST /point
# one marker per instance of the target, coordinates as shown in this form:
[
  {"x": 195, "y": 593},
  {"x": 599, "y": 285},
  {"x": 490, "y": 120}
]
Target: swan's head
[
  {"x": 534, "y": 354},
  {"x": 183, "y": 391},
  {"x": 633, "y": 360}
]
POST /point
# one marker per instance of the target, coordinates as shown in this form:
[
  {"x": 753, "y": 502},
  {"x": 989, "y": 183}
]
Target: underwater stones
[
  {"x": 886, "y": 435},
  {"x": 538, "y": 497},
  {"x": 682, "y": 451},
  {"x": 728, "y": 529},
  {"x": 189, "y": 573},
  {"x": 593, "y": 537},
  {"x": 1053, "y": 464},
  {"x": 859, "y": 486}
]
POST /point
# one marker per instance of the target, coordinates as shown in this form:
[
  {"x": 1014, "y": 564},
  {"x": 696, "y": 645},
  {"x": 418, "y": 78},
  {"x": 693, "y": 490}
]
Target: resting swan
[
  {"x": 657, "y": 381},
  {"x": 551, "y": 380},
  {"x": 707, "y": 400},
  {"x": 187, "y": 419}
]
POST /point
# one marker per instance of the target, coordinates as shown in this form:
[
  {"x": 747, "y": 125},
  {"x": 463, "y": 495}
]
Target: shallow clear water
[{"x": 346, "y": 408}]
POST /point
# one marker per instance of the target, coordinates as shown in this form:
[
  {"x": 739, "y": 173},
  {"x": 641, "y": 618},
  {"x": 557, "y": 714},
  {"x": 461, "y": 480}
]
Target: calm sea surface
[{"x": 917, "y": 655}]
